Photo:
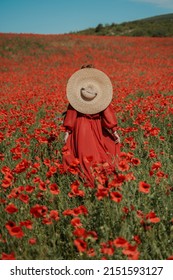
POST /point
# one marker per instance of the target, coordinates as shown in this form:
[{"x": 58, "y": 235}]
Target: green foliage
[{"x": 159, "y": 26}]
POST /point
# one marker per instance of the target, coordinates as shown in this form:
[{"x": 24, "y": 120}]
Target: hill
[{"x": 158, "y": 26}]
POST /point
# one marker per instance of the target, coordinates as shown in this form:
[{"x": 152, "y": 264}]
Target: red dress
[{"x": 90, "y": 139}]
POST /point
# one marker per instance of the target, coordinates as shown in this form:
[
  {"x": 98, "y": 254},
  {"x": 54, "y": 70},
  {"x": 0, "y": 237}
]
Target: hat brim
[{"x": 81, "y": 79}]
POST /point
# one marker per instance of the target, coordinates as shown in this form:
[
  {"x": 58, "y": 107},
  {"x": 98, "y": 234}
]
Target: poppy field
[{"x": 49, "y": 214}]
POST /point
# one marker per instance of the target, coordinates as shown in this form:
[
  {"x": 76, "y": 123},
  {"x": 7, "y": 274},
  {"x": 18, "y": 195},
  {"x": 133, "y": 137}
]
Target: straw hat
[{"x": 89, "y": 91}]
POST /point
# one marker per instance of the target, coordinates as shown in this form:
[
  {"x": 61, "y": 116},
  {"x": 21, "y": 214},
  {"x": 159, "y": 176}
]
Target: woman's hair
[{"x": 87, "y": 66}]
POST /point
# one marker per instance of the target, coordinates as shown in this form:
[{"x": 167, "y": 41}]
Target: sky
[{"x": 64, "y": 16}]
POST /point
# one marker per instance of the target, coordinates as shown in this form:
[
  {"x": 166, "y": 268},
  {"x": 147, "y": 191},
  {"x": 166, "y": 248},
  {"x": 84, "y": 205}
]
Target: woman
[{"x": 88, "y": 120}]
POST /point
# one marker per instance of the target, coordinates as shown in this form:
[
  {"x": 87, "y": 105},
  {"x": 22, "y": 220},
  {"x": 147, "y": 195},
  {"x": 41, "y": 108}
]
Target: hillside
[{"x": 158, "y": 26}]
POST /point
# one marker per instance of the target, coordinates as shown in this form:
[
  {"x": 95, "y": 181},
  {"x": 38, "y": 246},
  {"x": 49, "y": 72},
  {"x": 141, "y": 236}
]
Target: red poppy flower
[
  {"x": 107, "y": 248},
  {"x": 156, "y": 166},
  {"x": 46, "y": 221},
  {"x": 123, "y": 165},
  {"x": 36, "y": 165},
  {"x": 24, "y": 198},
  {"x": 116, "y": 196},
  {"x": 42, "y": 139},
  {"x": 32, "y": 241},
  {"x": 11, "y": 208},
  {"x": 42, "y": 186},
  {"x": 80, "y": 244},
  {"x": 152, "y": 154},
  {"x": 47, "y": 162},
  {"x": 161, "y": 174},
  {"x": 76, "y": 211},
  {"x": 22, "y": 166},
  {"x": 7, "y": 181},
  {"x": 135, "y": 161},
  {"x": 76, "y": 222},
  {"x": 144, "y": 187},
  {"x": 16, "y": 231},
  {"x": 130, "y": 176},
  {"x": 131, "y": 142},
  {"x": 151, "y": 173},
  {"x": 27, "y": 224},
  {"x": 151, "y": 216},
  {"x": 5, "y": 170},
  {"x": 127, "y": 156},
  {"x": 15, "y": 192},
  {"x": 80, "y": 210},
  {"x": 2, "y": 156},
  {"x": 38, "y": 211},
  {"x": 52, "y": 170},
  {"x": 91, "y": 252},
  {"x": 120, "y": 242},
  {"x": 9, "y": 225},
  {"x": 10, "y": 256},
  {"x": 29, "y": 189},
  {"x": 117, "y": 181},
  {"x": 131, "y": 252},
  {"x": 125, "y": 210},
  {"x": 101, "y": 192},
  {"x": 37, "y": 180},
  {"x": 137, "y": 239},
  {"x": 60, "y": 167},
  {"x": 92, "y": 234},
  {"x": 54, "y": 215},
  {"x": 80, "y": 232},
  {"x": 68, "y": 212},
  {"x": 75, "y": 190},
  {"x": 54, "y": 189},
  {"x": 154, "y": 131},
  {"x": 17, "y": 152}
]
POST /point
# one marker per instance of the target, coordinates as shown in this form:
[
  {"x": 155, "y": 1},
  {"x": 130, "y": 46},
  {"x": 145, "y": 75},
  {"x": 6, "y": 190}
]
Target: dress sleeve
[
  {"x": 70, "y": 118},
  {"x": 108, "y": 118}
]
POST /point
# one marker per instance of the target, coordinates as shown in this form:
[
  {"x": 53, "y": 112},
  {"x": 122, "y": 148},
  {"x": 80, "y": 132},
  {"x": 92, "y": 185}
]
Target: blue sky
[{"x": 63, "y": 16}]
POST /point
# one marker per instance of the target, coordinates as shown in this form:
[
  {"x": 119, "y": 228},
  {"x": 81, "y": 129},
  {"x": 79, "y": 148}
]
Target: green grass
[{"x": 158, "y": 26}]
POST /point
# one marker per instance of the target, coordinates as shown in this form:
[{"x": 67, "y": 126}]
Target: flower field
[{"x": 48, "y": 214}]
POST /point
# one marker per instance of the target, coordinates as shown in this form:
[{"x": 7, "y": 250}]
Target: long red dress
[{"x": 89, "y": 138}]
